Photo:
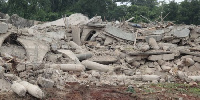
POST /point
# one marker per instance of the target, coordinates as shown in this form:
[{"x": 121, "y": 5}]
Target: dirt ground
[{"x": 169, "y": 91}]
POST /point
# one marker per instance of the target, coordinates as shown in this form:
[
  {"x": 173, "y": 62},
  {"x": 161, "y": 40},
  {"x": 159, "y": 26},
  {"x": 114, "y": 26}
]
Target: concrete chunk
[
  {"x": 108, "y": 41},
  {"x": 120, "y": 33},
  {"x": 34, "y": 90},
  {"x": 76, "y": 32},
  {"x": 70, "y": 54},
  {"x": 68, "y": 67},
  {"x": 181, "y": 33},
  {"x": 3, "y": 28},
  {"x": 35, "y": 49},
  {"x": 153, "y": 43},
  {"x": 96, "y": 66},
  {"x": 195, "y": 78},
  {"x": 150, "y": 77},
  {"x": 161, "y": 57},
  {"x": 104, "y": 59},
  {"x": 18, "y": 89},
  {"x": 197, "y": 59},
  {"x": 84, "y": 56},
  {"x": 1, "y": 72},
  {"x": 46, "y": 83}
]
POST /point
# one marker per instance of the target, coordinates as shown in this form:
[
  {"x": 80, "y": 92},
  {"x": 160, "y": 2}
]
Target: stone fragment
[
  {"x": 46, "y": 83},
  {"x": 145, "y": 48},
  {"x": 77, "y": 47},
  {"x": 181, "y": 75},
  {"x": 197, "y": 59},
  {"x": 68, "y": 67},
  {"x": 181, "y": 33},
  {"x": 188, "y": 62},
  {"x": 117, "y": 32},
  {"x": 69, "y": 54},
  {"x": 195, "y": 78},
  {"x": 104, "y": 59},
  {"x": 156, "y": 37},
  {"x": 162, "y": 80},
  {"x": 168, "y": 56},
  {"x": 155, "y": 81},
  {"x": 161, "y": 57},
  {"x": 18, "y": 89},
  {"x": 34, "y": 90},
  {"x": 136, "y": 64},
  {"x": 166, "y": 68},
  {"x": 150, "y": 77},
  {"x": 76, "y": 32},
  {"x": 149, "y": 71},
  {"x": 84, "y": 56},
  {"x": 96, "y": 66},
  {"x": 3, "y": 28},
  {"x": 153, "y": 44},
  {"x": 108, "y": 41},
  {"x": 2, "y": 70},
  {"x": 21, "y": 67},
  {"x": 35, "y": 49}
]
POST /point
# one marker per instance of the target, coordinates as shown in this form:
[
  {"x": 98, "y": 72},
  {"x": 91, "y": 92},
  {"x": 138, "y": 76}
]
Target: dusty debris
[
  {"x": 18, "y": 89},
  {"x": 3, "y": 27},
  {"x": 96, "y": 66},
  {"x": 33, "y": 89},
  {"x": 46, "y": 83},
  {"x": 119, "y": 33},
  {"x": 79, "y": 50}
]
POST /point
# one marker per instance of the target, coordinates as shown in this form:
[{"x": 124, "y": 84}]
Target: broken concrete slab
[
  {"x": 155, "y": 52},
  {"x": 153, "y": 44},
  {"x": 108, "y": 40},
  {"x": 3, "y": 28},
  {"x": 166, "y": 68},
  {"x": 98, "y": 25},
  {"x": 21, "y": 67},
  {"x": 161, "y": 57},
  {"x": 158, "y": 32},
  {"x": 156, "y": 37},
  {"x": 18, "y": 89},
  {"x": 144, "y": 48},
  {"x": 195, "y": 78},
  {"x": 75, "y": 46},
  {"x": 197, "y": 59},
  {"x": 150, "y": 78},
  {"x": 45, "y": 83},
  {"x": 34, "y": 90},
  {"x": 2, "y": 70},
  {"x": 190, "y": 53},
  {"x": 70, "y": 54},
  {"x": 84, "y": 56},
  {"x": 76, "y": 34},
  {"x": 104, "y": 59},
  {"x": 181, "y": 33},
  {"x": 117, "y": 32},
  {"x": 35, "y": 49},
  {"x": 68, "y": 67},
  {"x": 4, "y": 85},
  {"x": 96, "y": 66}
]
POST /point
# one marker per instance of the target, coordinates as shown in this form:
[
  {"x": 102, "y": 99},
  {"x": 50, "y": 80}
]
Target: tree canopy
[{"x": 187, "y": 12}]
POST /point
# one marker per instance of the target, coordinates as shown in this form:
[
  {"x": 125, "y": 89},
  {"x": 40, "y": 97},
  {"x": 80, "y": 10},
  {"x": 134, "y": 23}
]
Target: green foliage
[{"x": 187, "y": 12}]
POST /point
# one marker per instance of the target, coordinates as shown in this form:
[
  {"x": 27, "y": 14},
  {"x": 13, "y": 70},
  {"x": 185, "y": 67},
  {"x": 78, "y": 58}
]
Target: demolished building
[{"x": 111, "y": 53}]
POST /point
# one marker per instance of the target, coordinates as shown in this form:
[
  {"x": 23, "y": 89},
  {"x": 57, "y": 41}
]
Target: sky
[
  {"x": 171, "y": 0},
  {"x": 128, "y": 4}
]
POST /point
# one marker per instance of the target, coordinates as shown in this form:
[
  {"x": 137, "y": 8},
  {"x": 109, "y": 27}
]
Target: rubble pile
[{"x": 80, "y": 50}]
